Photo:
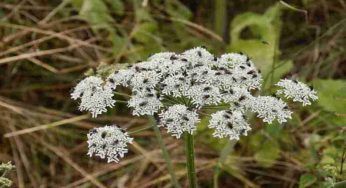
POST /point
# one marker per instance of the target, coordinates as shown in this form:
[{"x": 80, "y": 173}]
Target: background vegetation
[{"x": 47, "y": 45}]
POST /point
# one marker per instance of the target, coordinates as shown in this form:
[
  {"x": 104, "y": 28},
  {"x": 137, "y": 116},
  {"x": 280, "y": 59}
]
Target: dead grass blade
[
  {"x": 37, "y": 41},
  {"x": 44, "y": 65},
  {"x": 74, "y": 165},
  {"x": 47, "y": 126},
  {"x": 41, "y": 112},
  {"x": 38, "y": 53},
  {"x": 55, "y": 34},
  {"x": 123, "y": 163},
  {"x": 145, "y": 153},
  {"x": 180, "y": 174}
]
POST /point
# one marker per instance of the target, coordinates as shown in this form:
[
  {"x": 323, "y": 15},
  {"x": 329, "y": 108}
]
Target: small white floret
[
  {"x": 108, "y": 142},
  {"x": 270, "y": 108},
  {"x": 231, "y": 124},
  {"x": 144, "y": 105},
  {"x": 94, "y": 95},
  {"x": 177, "y": 119},
  {"x": 298, "y": 91}
]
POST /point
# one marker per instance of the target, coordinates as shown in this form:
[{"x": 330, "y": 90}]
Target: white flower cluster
[
  {"x": 298, "y": 91},
  {"x": 180, "y": 86},
  {"x": 270, "y": 108},
  {"x": 178, "y": 119},
  {"x": 95, "y": 96},
  {"x": 228, "y": 123},
  {"x": 108, "y": 142}
]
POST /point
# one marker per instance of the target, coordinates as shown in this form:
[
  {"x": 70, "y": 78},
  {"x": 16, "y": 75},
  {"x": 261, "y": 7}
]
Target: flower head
[
  {"x": 204, "y": 94},
  {"x": 298, "y": 91},
  {"x": 239, "y": 97},
  {"x": 177, "y": 119},
  {"x": 95, "y": 96},
  {"x": 241, "y": 71},
  {"x": 174, "y": 85},
  {"x": 145, "y": 79},
  {"x": 270, "y": 108},
  {"x": 121, "y": 77},
  {"x": 144, "y": 104},
  {"x": 198, "y": 55},
  {"x": 201, "y": 74},
  {"x": 229, "y": 123},
  {"x": 108, "y": 142}
]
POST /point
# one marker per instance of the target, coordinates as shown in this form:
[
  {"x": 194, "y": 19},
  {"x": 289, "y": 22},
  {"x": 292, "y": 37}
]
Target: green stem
[
  {"x": 165, "y": 154},
  {"x": 190, "y": 160}
]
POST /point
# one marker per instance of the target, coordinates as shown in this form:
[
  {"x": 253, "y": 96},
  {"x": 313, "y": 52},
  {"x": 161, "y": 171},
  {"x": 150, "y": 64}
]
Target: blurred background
[{"x": 47, "y": 46}]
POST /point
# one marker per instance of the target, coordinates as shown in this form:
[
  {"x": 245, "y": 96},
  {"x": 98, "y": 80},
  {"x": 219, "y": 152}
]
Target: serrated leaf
[{"x": 306, "y": 180}]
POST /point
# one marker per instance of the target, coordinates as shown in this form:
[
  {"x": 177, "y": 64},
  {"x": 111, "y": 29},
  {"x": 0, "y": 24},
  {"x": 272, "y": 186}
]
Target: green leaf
[
  {"x": 267, "y": 153},
  {"x": 332, "y": 97},
  {"x": 279, "y": 133},
  {"x": 306, "y": 180},
  {"x": 146, "y": 39},
  {"x": 143, "y": 15},
  {"x": 145, "y": 36},
  {"x": 117, "y": 6},
  {"x": 331, "y": 94},
  {"x": 177, "y": 10},
  {"x": 283, "y": 67},
  {"x": 77, "y": 3},
  {"x": 265, "y": 31},
  {"x": 145, "y": 32},
  {"x": 95, "y": 12}
]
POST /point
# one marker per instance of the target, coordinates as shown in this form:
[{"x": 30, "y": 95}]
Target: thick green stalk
[
  {"x": 165, "y": 154},
  {"x": 190, "y": 160}
]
